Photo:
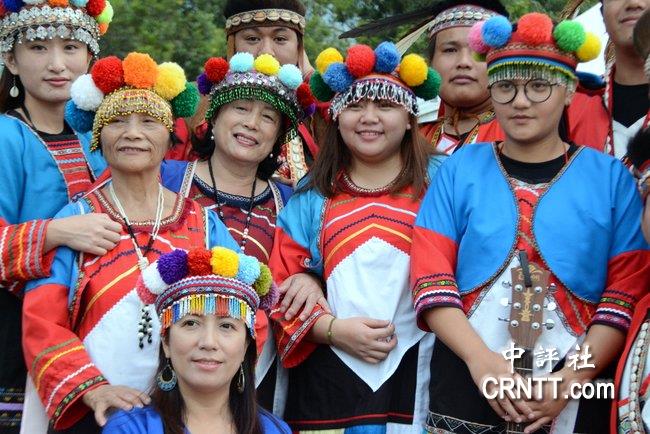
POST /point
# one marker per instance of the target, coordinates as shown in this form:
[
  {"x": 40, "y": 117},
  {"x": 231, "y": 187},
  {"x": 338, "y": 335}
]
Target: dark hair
[
  {"x": 334, "y": 156},
  {"x": 431, "y": 48},
  {"x": 7, "y": 102},
  {"x": 243, "y": 406}
]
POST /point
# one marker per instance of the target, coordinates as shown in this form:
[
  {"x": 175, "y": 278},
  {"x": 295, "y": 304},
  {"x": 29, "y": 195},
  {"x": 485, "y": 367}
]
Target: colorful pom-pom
[
  {"x": 319, "y": 88},
  {"x": 216, "y": 69},
  {"x": 569, "y": 35},
  {"x": 326, "y": 58},
  {"x": 170, "y": 81},
  {"x": 140, "y": 70},
  {"x": 3, "y": 11},
  {"x": 338, "y": 77},
  {"x": 225, "y": 262},
  {"x": 249, "y": 269},
  {"x": 267, "y": 64},
  {"x": 496, "y": 31},
  {"x": 310, "y": 110},
  {"x": 144, "y": 294},
  {"x": 95, "y": 7},
  {"x": 152, "y": 280},
  {"x": 387, "y": 57},
  {"x": 186, "y": 102},
  {"x": 413, "y": 70},
  {"x": 13, "y": 5},
  {"x": 85, "y": 94},
  {"x": 58, "y": 3},
  {"x": 475, "y": 39},
  {"x": 431, "y": 86},
  {"x": 264, "y": 281},
  {"x": 107, "y": 14},
  {"x": 360, "y": 60},
  {"x": 271, "y": 298},
  {"x": 590, "y": 49},
  {"x": 173, "y": 266},
  {"x": 198, "y": 262},
  {"x": 108, "y": 74},
  {"x": 79, "y": 120},
  {"x": 304, "y": 95},
  {"x": 242, "y": 62},
  {"x": 203, "y": 83},
  {"x": 79, "y": 3},
  {"x": 535, "y": 29},
  {"x": 103, "y": 28},
  {"x": 290, "y": 75}
]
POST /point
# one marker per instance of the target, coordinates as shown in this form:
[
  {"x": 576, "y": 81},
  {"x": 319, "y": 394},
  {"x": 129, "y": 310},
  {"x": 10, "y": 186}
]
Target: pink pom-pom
[
  {"x": 534, "y": 29},
  {"x": 475, "y": 39},
  {"x": 144, "y": 294},
  {"x": 360, "y": 60},
  {"x": 216, "y": 69},
  {"x": 270, "y": 299}
]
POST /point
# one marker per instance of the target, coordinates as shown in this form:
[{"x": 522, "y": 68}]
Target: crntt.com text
[{"x": 534, "y": 388}]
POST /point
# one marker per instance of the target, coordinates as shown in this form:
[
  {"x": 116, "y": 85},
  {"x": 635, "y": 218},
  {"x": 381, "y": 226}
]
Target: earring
[
  {"x": 167, "y": 384},
  {"x": 14, "y": 91},
  {"x": 241, "y": 382},
  {"x": 271, "y": 155},
  {"x": 212, "y": 137}
]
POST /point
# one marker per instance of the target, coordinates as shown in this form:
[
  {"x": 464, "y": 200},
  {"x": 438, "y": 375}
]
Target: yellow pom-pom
[
  {"x": 267, "y": 64},
  {"x": 590, "y": 49},
  {"x": 326, "y": 58},
  {"x": 413, "y": 70},
  {"x": 225, "y": 262},
  {"x": 171, "y": 80}
]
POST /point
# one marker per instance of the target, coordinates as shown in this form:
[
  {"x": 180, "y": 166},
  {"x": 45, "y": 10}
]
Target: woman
[
  {"x": 42, "y": 157},
  {"x": 483, "y": 284},
  {"x": 255, "y": 106},
  {"x": 89, "y": 338},
  {"x": 206, "y": 370},
  {"x": 361, "y": 366}
]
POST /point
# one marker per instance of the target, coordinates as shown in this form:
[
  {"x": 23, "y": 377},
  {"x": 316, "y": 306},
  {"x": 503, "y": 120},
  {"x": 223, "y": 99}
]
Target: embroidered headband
[
  {"x": 459, "y": 16},
  {"x": 136, "y": 84},
  {"x": 380, "y": 74},
  {"x": 265, "y": 16}
]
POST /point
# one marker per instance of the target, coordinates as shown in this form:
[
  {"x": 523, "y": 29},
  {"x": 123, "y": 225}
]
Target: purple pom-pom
[
  {"x": 496, "y": 31},
  {"x": 204, "y": 84},
  {"x": 79, "y": 120},
  {"x": 173, "y": 266},
  {"x": 387, "y": 57},
  {"x": 310, "y": 110},
  {"x": 337, "y": 77},
  {"x": 270, "y": 299},
  {"x": 13, "y": 5}
]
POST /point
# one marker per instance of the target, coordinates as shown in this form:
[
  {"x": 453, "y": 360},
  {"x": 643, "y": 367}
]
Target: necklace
[
  {"x": 638, "y": 354},
  {"x": 249, "y": 213},
  {"x": 142, "y": 256},
  {"x": 351, "y": 187}
]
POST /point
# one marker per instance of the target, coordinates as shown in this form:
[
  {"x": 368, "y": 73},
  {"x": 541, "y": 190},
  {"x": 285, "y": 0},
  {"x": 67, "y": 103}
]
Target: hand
[
  {"x": 492, "y": 364},
  {"x": 364, "y": 338},
  {"x": 105, "y": 397},
  {"x": 89, "y": 233},
  {"x": 552, "y": 401},
  {"x": 302, "y": 290}
]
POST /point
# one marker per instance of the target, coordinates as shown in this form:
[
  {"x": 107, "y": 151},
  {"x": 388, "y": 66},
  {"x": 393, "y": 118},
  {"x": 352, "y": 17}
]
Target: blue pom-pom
[
  {"x": 13, "y": 5},
  {"x": 242, "y": 62},
  {"x": 249, "y": 269},
  {"x": 387, "y": 57},
  {"x": 496, "y": 31},
  {"x": 290, "y": 75},
  {"x": 79, "y": 120},
  {"x": 204, "y": 84},
  {"x": 337, "y": 77},
  {"x": 79, "y": 3}
]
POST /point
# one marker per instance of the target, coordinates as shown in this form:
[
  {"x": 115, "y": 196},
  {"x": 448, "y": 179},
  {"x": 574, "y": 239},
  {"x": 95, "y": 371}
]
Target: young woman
[
  {"x": 478, "y": 281},
  {"x": 365, "y": 364},
  {"x": 206, "y": 370}
]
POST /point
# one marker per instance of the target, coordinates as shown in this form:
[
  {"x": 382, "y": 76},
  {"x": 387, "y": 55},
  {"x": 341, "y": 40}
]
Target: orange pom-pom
[
  {"x": 58, "y": 3},
  {"x": 198, "y": 262},
  {"x": 360, "y": 60},
  {"x": 140, "y": 70},
  {"x": 216, "y": 69},
  {"x": 95, "y": 7},
  {"x": 103, "y": 28},
  {"x": 535, "y": 29},
  {"x": 107, "y": 74}
]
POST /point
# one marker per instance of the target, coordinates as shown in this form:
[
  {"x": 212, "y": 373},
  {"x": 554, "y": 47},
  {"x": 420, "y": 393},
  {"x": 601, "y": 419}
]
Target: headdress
[
  {"x": 261, "y": 78},
  {"x": 254, "y": 13},
  {"x": 202, "y": 282},
  {"x": 136, "y": 84},
  {"x": 533, "y": 46},
  {"x": 380, "y": 74},
  {"x": 29, "y": 20}
]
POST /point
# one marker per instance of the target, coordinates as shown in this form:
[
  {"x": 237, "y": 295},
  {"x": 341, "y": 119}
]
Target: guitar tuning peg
[
  {"x": 549, "y": 324},
  {"x": 550, "y": 306},
  {"x": 505, "y": 301}
]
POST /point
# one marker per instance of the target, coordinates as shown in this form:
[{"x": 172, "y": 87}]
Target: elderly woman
[
  {"x": 90, "y": 338},
  {"x": 205, "y": 376}
]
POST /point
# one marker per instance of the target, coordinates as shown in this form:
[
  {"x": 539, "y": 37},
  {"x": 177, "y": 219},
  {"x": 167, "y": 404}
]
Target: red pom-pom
[
  {"x": 3, "y": 11},
  {"x": 304, "y": 95},
  {"x": 198, "y": 262},
  {"x": 216, "y": 69},
  {"x": 108, "y": 74},
  {"x": 360, "y": 60},
  {"x": 534, "y": 29},
  {"x": 95, "y": 7}
]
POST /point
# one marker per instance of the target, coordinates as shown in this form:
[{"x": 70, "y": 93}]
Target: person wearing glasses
[{"x": 528, "y": 206}]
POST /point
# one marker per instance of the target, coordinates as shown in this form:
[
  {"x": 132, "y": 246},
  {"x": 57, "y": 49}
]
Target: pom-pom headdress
[
  {"x": 136, "y": 84},
  {"x": 533, "y": 47},
  {"x": 379, "y": 74},
  {"x": 29, "y": 20},
  {"x": 203, "y": 282},
  {"x": 261, "y": 78},
  {"x": 255, "y": 13}
]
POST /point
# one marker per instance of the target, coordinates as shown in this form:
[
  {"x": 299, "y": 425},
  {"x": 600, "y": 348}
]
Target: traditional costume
[
  {"x": 36, "y": 165},
  {"x": 464, "y": 257},
  {"x": 358, "y": 242}
]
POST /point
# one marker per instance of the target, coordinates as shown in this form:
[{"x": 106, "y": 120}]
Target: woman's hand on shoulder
[
  {"x": 105, "y": 397},
  {"x": 93, "y": 233},
  {"x": 300, "y": 293},
  {"x": 365, "y": 338}
]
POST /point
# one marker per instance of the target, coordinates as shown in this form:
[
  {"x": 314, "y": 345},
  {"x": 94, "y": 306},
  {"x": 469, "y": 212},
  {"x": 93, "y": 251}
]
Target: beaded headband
[
  {"x": 30, "y": 20},
  {"x": 261, "y": 78},
  {"x": 533, "y": 47},
  {"x": 380, "y": 74},
  {"x": 202, "y": 282},
  {"x": 136, "y": 84},
  {"x": 265, "y": 16},
  {"x": 459, "y": 16}
]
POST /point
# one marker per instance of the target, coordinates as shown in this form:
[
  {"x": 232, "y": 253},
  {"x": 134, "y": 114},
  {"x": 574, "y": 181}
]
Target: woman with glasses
[{"x": 530, "y": 248}]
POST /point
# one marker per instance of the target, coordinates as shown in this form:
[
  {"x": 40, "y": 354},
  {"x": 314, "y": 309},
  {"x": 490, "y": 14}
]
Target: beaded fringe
[
  {"x": 515, "y": 70},
  {"x": 375, "y": 89}
]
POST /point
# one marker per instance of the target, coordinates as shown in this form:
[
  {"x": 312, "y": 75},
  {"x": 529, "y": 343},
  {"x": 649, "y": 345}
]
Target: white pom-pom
[
  {"x": 85, "y": 94},
  {"x": 152, "y": 280}
]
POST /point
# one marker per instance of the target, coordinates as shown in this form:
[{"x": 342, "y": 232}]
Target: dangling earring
[
  {"x": 241, "y": 382},
  {"x": 14, "y": 91},
  {"x": 167, "y": 384},
  {"x": 271, "y": 155}
]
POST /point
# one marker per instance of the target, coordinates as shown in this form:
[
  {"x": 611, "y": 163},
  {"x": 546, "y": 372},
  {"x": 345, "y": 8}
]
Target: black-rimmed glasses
[{"x": 536, "y": 90}]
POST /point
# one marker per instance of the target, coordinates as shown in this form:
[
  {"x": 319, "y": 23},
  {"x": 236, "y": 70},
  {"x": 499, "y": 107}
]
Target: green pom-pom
[
  {"x": 263, "y": 283},
  {"x": 569, "y": 35},
  {"x": 319, "y": 88},
  {"x": 430, "y": 88},
  {"x": 186, "y": 102},
  {"x": 478, "y": 57}
]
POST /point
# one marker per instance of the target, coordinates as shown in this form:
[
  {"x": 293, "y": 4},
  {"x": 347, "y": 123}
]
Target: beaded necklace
[{"x": 638, "y": 353}]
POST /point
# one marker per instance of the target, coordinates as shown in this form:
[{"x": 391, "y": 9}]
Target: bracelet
[{"x": 329, "y": 331}]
